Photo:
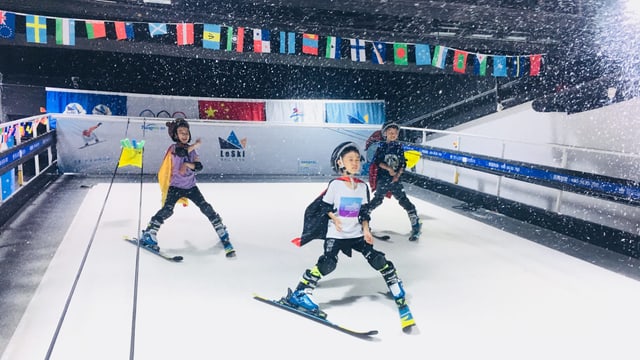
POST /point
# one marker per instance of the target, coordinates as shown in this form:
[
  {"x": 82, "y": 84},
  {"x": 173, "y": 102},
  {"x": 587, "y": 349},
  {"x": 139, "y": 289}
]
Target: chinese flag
[{"x": 232, "y": 110}]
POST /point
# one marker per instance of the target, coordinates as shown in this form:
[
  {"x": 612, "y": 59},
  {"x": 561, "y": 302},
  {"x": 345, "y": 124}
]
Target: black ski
[
  {"x": 381, "y": 237},
  {"x": 283, "y": 305},
  {"x": 162, "y": 254}
]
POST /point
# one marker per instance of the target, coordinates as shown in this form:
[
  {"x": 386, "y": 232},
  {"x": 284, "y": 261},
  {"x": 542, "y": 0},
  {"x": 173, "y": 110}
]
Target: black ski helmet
[
  {"x": 339, "y": 152},
  {"x": 387, "y": 127},
  {"x": 172, "y": 128}
]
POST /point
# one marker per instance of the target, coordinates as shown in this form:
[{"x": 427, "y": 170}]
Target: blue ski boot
[
  {"x": 221, "y": 230},
  {"x": 301, "y": 299},
  {"x": 229, "y": 251},
  {"x": 416, "y": 227},
  {"x": 149, "y": 240},
  {"x": 394, "y": 283}
]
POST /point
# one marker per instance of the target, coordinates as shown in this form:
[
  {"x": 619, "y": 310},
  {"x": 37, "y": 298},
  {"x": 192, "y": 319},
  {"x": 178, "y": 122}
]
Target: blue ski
[{"x": 406, "y": 318}]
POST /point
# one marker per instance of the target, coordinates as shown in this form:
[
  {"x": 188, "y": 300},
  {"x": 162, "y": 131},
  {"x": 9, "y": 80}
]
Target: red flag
[
  {"x": 240, "y": 40},
  {"x": 184, "y": 33},
  {"x": 535, "y": 64},
  {"x": 121, "y": 31},
  {"x": 232, "y": 110},
  {"x": 460, "y": 61},
  {"x": 95, "y": 29}
]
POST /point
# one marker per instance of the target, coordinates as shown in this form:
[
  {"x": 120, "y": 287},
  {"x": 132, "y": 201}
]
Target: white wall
[
  {"x": 603, "y": 141},
  {"x": 264, "y": 148}
]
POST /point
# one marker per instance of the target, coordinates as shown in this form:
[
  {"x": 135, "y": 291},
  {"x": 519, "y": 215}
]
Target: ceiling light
[
  {"x": 164, "y": 2},
  {"x": 481, "y": 36}
]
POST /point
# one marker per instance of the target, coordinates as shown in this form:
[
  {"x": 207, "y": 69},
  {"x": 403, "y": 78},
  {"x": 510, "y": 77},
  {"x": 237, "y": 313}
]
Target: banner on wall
[
  {"x": 86, "y": 103},
  {"x": 295, "y": 111},
  {"x": 310, "y": 111},
  {"x": 246, "y": 148},
  {"x": 366, "y": 113},
  {"x": 162, "y": 107},
  {"x": 231, "y": 110}
]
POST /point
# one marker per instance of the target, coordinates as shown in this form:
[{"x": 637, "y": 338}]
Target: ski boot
[
  {"x": 416, "y": 227},
  {"x": 301, "y": 300},
  {"x": 221, "y": 230},
  {"x": 394, "y": 283},
  {"x": 149, "y": 240},
  {"x": 229, "y": 251}
]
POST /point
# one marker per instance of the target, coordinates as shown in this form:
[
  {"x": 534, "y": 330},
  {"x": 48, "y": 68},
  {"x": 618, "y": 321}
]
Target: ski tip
[{"x": 177, "y": 258}]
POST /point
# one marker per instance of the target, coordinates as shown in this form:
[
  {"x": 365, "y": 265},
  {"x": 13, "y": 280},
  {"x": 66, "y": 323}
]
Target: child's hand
[
  {"x": 338, "y": 224},
  {"x": 368, "y": 237}
]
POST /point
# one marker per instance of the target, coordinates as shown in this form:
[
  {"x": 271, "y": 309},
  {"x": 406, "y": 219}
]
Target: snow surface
[{"x": 476, "y": 292}]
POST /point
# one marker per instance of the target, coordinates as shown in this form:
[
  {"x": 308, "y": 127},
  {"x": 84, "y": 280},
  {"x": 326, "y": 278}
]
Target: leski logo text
[{"x": 232, "y": 149}]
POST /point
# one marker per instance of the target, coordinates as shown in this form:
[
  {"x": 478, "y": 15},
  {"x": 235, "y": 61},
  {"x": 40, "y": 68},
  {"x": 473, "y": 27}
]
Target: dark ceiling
[{"x": 563, "y": 31}]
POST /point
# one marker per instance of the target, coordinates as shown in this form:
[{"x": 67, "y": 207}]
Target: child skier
[
  {"x": 181, "y": 163},
  {"x": 345, "y": 228},
  {"x": 390, "y": 161}
]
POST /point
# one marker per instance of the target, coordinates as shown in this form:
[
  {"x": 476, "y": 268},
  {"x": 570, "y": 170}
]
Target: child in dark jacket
[{"x": 390, "y": 160}]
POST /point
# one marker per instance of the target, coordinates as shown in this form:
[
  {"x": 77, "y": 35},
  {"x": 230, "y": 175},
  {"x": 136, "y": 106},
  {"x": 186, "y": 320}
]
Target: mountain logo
[{"x": 231, "y": 148}]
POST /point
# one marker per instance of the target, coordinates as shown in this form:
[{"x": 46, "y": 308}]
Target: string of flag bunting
[{"x": 241, "y": 39}]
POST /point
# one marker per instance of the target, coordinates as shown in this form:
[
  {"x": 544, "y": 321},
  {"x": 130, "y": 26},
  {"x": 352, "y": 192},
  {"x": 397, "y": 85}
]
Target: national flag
[
  {"x": 211, "y": 36},
  {"x": 235, "y": 36},
  {"x": 124, "y": 30},
  {"x": 378, "y": 52},
  {"x": 423, "y": 54},
  {"x": 460, "y": 61},
  {"x": 7, "y": 25},
  {"x": 36, "y": 29},
  {"x": 231, "y": 110},
  {"x": 261, "y": 41},
  {"x": 95, "y": 29},
  {"x": 400, "y": 54},
  {"x": 534, "y": 64},
  {"x": 184, "y": 33},
  {"x": 347, "y": 112},
  {"x": 358, "y": 50},
  {"x": 287, "y": 42},
  {"x": 156, "y": 29},
  {"x": 480, "y": 64},
  {"x": 66, "y": 32},
  {"x": 517, "y": 66},
  {"x": 439, "y": 56},
  {"x": 333, "y": 47},
  {"x": 310, "y": 44},
  {"x": 499, "y": 65}
]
